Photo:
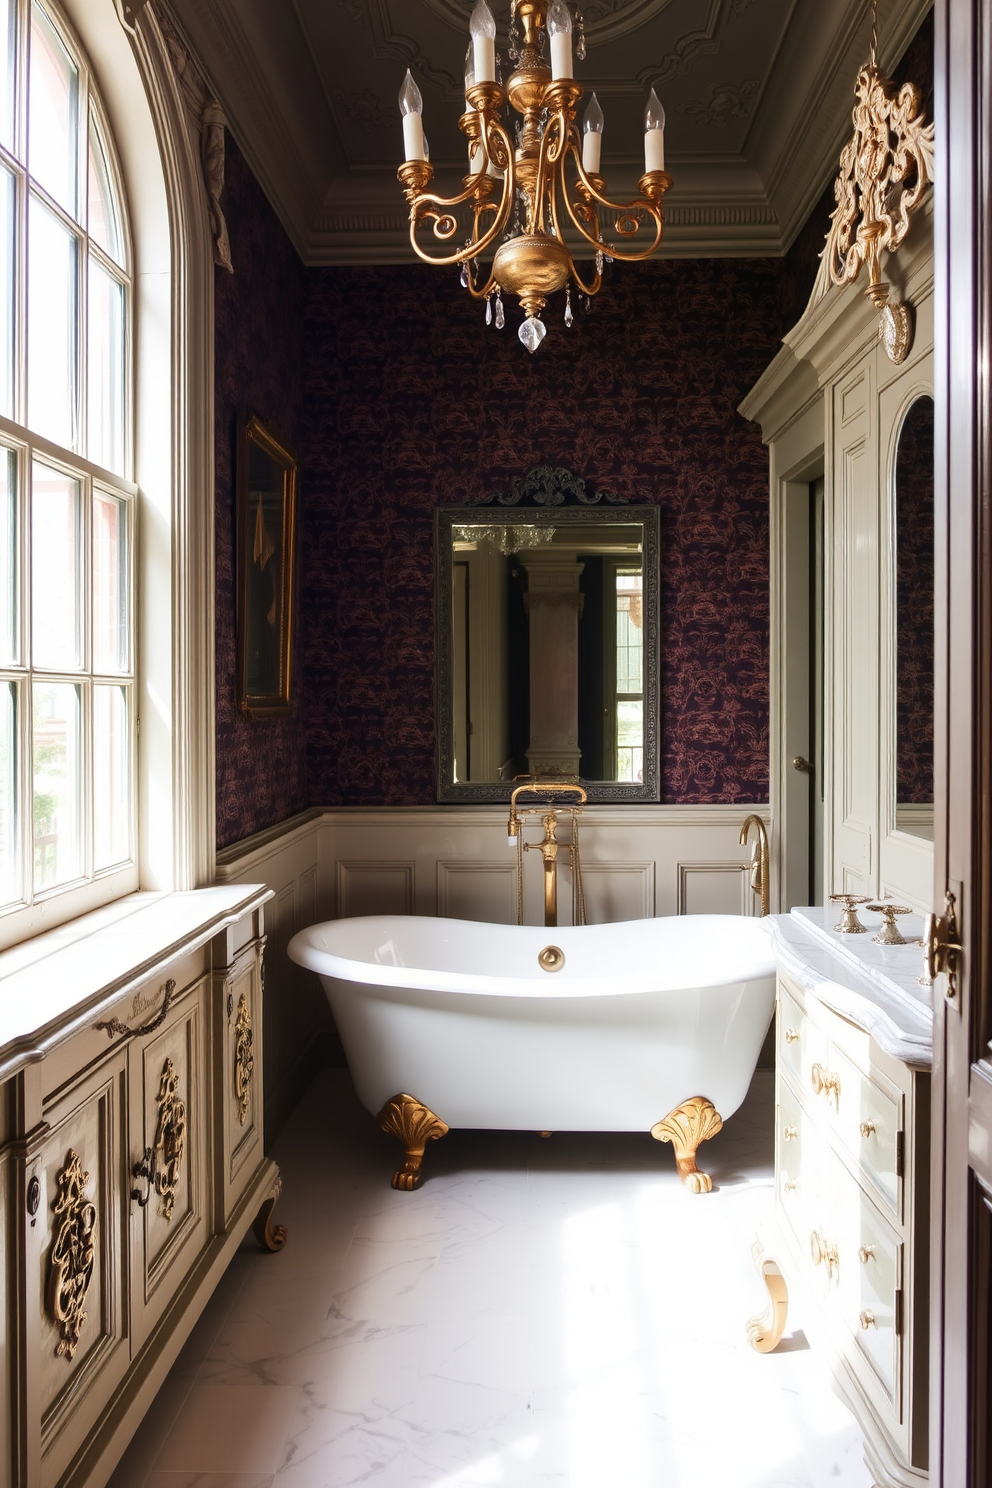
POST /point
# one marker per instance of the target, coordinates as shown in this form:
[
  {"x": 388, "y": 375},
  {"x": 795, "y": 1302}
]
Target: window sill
[{"x": 56, "y": 983}]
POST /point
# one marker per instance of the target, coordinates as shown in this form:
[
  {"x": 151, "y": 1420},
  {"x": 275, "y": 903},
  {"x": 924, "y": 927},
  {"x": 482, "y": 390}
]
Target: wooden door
[{"x": 960, "y": 1455}]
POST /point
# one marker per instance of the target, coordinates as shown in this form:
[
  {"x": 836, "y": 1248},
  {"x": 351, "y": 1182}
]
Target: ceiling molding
[{"x": 308, "y": 89}]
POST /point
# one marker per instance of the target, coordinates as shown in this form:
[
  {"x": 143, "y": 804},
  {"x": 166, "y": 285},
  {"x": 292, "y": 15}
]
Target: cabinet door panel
[
  {"x": 76, "y": 1252},
  {"x": 168, "y": 1099},
  {"x": 239, "y": 997},
  {"x": 6, "y": 1314}
]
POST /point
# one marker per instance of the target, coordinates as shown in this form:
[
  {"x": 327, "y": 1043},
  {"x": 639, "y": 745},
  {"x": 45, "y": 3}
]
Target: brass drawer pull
[
  {"x": 865, "y": 1254},
  {"x": 824, "y": 1083},
  {"x": 790, "y": 1187},
  {"x": 115, "y": 1027},
  {"x": 866, "y": 1129},
  {"x": 823, "y": 1253},
  {"x": 867, "y": 1320},
  {"x": 791, "y": 1034},
  {"x": 790, "y": 1134}
]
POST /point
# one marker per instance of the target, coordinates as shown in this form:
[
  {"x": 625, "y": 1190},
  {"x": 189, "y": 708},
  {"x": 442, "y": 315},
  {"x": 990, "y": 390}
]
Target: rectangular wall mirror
[{"x": 547, "y": 632}]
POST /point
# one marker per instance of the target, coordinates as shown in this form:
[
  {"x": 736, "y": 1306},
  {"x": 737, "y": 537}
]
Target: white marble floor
[{"x": 554, "y": 1312}]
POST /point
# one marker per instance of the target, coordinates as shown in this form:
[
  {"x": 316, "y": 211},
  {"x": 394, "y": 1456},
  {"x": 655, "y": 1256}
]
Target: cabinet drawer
[
  {"x": 869, "y": 1121},
  {"x": 874, "y": 1302},
  {"x": 792, "y": 1030}
]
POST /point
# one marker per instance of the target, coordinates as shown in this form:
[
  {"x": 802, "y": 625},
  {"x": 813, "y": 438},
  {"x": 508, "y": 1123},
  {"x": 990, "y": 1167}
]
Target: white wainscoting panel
[
  {"x": 288, "y": 859},
  {"x": 367, "y": 888},
  {"x": 478, "y": 891},
  {"x": 618, "y": 891},
  {"x": 716, "y": 888}
]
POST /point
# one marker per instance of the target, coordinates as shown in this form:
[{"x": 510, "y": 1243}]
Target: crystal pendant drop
[
  {"x": 569, "y": 317},
  {"x": 532, "y": 333},
  {"x": 600, "y": 262},
  {"x": 500, "y": 316},
  {"x": 464, "y": 276},
  {"x": 489, "y": 311}
]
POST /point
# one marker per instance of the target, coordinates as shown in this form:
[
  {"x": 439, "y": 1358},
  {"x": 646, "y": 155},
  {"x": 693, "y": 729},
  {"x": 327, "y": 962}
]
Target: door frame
[{"x": 961, "y": 1297}]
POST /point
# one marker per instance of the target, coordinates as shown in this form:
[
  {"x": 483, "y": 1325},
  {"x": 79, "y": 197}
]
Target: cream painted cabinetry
[
  {"x": 851, "y": 1238},
  {"x": 129, "y": 1173}
]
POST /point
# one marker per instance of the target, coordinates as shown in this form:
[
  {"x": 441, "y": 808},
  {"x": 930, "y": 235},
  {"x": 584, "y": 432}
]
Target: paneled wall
[{"x": 636, "y": 862}]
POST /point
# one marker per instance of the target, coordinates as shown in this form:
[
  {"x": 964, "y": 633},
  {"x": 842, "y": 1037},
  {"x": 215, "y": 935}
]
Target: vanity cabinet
[
  {"x": 852, "y": 1213},
  {"x": 131, "y": 1168}
]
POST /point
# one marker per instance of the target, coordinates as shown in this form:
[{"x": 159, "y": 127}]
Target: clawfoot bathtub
[{"x": 647, "y": 1025}]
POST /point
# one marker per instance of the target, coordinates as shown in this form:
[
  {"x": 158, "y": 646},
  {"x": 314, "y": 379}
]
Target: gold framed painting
[{"x": 266, "y": 538}]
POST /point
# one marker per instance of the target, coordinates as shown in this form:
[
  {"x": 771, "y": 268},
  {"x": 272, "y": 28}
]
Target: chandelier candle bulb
[
  {"x": 560, "y": 32},
  {"x": 482, "y": 29},
  {"x": 592, "y": 138},
  {"x": 412, "y": 107},
  {"x": 654, "y": 134}
]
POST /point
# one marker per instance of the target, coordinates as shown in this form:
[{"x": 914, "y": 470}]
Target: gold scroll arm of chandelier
[{"x": 425, "y": 206}]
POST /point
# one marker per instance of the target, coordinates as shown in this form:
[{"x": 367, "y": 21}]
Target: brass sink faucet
[{"x": 760, "y": 865}]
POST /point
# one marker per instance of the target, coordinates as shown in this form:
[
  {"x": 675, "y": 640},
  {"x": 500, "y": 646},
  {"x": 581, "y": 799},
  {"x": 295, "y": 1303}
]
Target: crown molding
[{"x": 264, "y": 69}]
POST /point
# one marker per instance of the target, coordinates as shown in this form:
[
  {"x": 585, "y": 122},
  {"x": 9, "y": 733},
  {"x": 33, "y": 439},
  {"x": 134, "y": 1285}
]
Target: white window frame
[{"x": 146, "y": 119}]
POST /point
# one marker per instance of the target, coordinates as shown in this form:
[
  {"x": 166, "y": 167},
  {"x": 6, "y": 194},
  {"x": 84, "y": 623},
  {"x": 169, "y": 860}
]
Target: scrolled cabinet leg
[
  {"x": 270, "y": 1236},
  {"x": 764, "y": 1332}
]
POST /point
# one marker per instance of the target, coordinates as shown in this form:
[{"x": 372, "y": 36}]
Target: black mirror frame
[{"x": 485, "y": 792}]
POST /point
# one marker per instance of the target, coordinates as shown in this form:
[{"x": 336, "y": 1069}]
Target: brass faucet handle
[
  {"x": 889, "y": 933},
  {"x": 849, "y": 924}
]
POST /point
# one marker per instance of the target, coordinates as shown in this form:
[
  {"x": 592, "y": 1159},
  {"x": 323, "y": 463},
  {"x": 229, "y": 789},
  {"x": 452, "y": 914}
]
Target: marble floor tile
[
  {"x": 231, "y": 1429},
  {"x": 541, "y": 1313}
]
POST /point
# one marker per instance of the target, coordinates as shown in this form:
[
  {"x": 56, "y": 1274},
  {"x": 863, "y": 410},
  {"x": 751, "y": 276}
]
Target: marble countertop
[
  {"x": 874, "y": 986},
  {"x": 54, "y": 984}
]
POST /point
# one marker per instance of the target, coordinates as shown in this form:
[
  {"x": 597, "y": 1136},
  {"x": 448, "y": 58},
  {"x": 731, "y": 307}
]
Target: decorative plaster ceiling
[{"x": 758, "y": 95}]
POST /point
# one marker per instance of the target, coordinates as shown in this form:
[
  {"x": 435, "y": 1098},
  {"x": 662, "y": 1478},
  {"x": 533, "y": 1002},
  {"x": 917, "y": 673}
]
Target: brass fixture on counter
[
  {"x": 759, "y": 863},
  {"x": 890, "y": 934},
  {"x": 849, "y": 924},
  {"x": 549, "y": 846}
]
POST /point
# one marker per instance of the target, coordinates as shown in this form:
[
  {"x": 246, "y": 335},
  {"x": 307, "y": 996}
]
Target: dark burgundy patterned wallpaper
[
  {"x": 261, "y": 774},
  {"x": 412, "y": 402},
  {"x": 914, "y": 605}
]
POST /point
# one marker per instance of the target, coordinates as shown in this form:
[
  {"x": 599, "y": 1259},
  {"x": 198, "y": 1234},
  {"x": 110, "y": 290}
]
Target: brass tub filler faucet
[{"x": 549, "y": 847}]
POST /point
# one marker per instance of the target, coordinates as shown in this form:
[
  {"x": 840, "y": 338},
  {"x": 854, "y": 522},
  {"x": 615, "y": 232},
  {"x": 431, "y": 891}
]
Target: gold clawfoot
[
  {"x": 270, "y": 1236},
  {"x": 764, "y": 1332},
  {"x": 415, "y": 1125},
  {"x": 694, "y": 1121}
]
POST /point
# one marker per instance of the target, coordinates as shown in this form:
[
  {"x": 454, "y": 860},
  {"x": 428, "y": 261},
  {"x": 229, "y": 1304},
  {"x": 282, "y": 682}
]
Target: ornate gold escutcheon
[
  {"x": 244, "y": 1058},
  {"x": 415, "y": 1125},
  {"x": 170, "y": 1140},
  {"x": 693, "y": 1122},
  {"x": 71, "y": 1258}
]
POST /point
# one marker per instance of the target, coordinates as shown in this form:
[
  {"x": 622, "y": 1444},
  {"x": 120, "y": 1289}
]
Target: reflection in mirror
[
  {"x": 547, "y": 650},
  {"x": 914, "y": 621}
]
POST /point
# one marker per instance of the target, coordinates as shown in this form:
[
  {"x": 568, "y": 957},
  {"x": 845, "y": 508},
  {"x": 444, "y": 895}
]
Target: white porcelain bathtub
[{"x": 643, "y": 1015}]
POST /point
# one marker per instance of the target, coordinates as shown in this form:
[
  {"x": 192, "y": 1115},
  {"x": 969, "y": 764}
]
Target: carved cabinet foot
[
  {"x": 691, "y": 1123},
  {"x": 764, "y": 1332},
  {"x": 415, "y": 1125},
  {"x": 270, "y": 1236}
]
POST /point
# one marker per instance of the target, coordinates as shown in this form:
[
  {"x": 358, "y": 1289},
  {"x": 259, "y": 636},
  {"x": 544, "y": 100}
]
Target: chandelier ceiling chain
[
  {"x": 523, "y": 195},
  {"x": 885, "y": 170}
]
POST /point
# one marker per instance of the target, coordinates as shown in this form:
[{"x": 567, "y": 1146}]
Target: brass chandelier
[{"x": 518, "y": 196}]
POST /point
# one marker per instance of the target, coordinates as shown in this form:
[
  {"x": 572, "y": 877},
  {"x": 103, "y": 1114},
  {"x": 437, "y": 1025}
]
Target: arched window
[{"x": 67, "y": 498}]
